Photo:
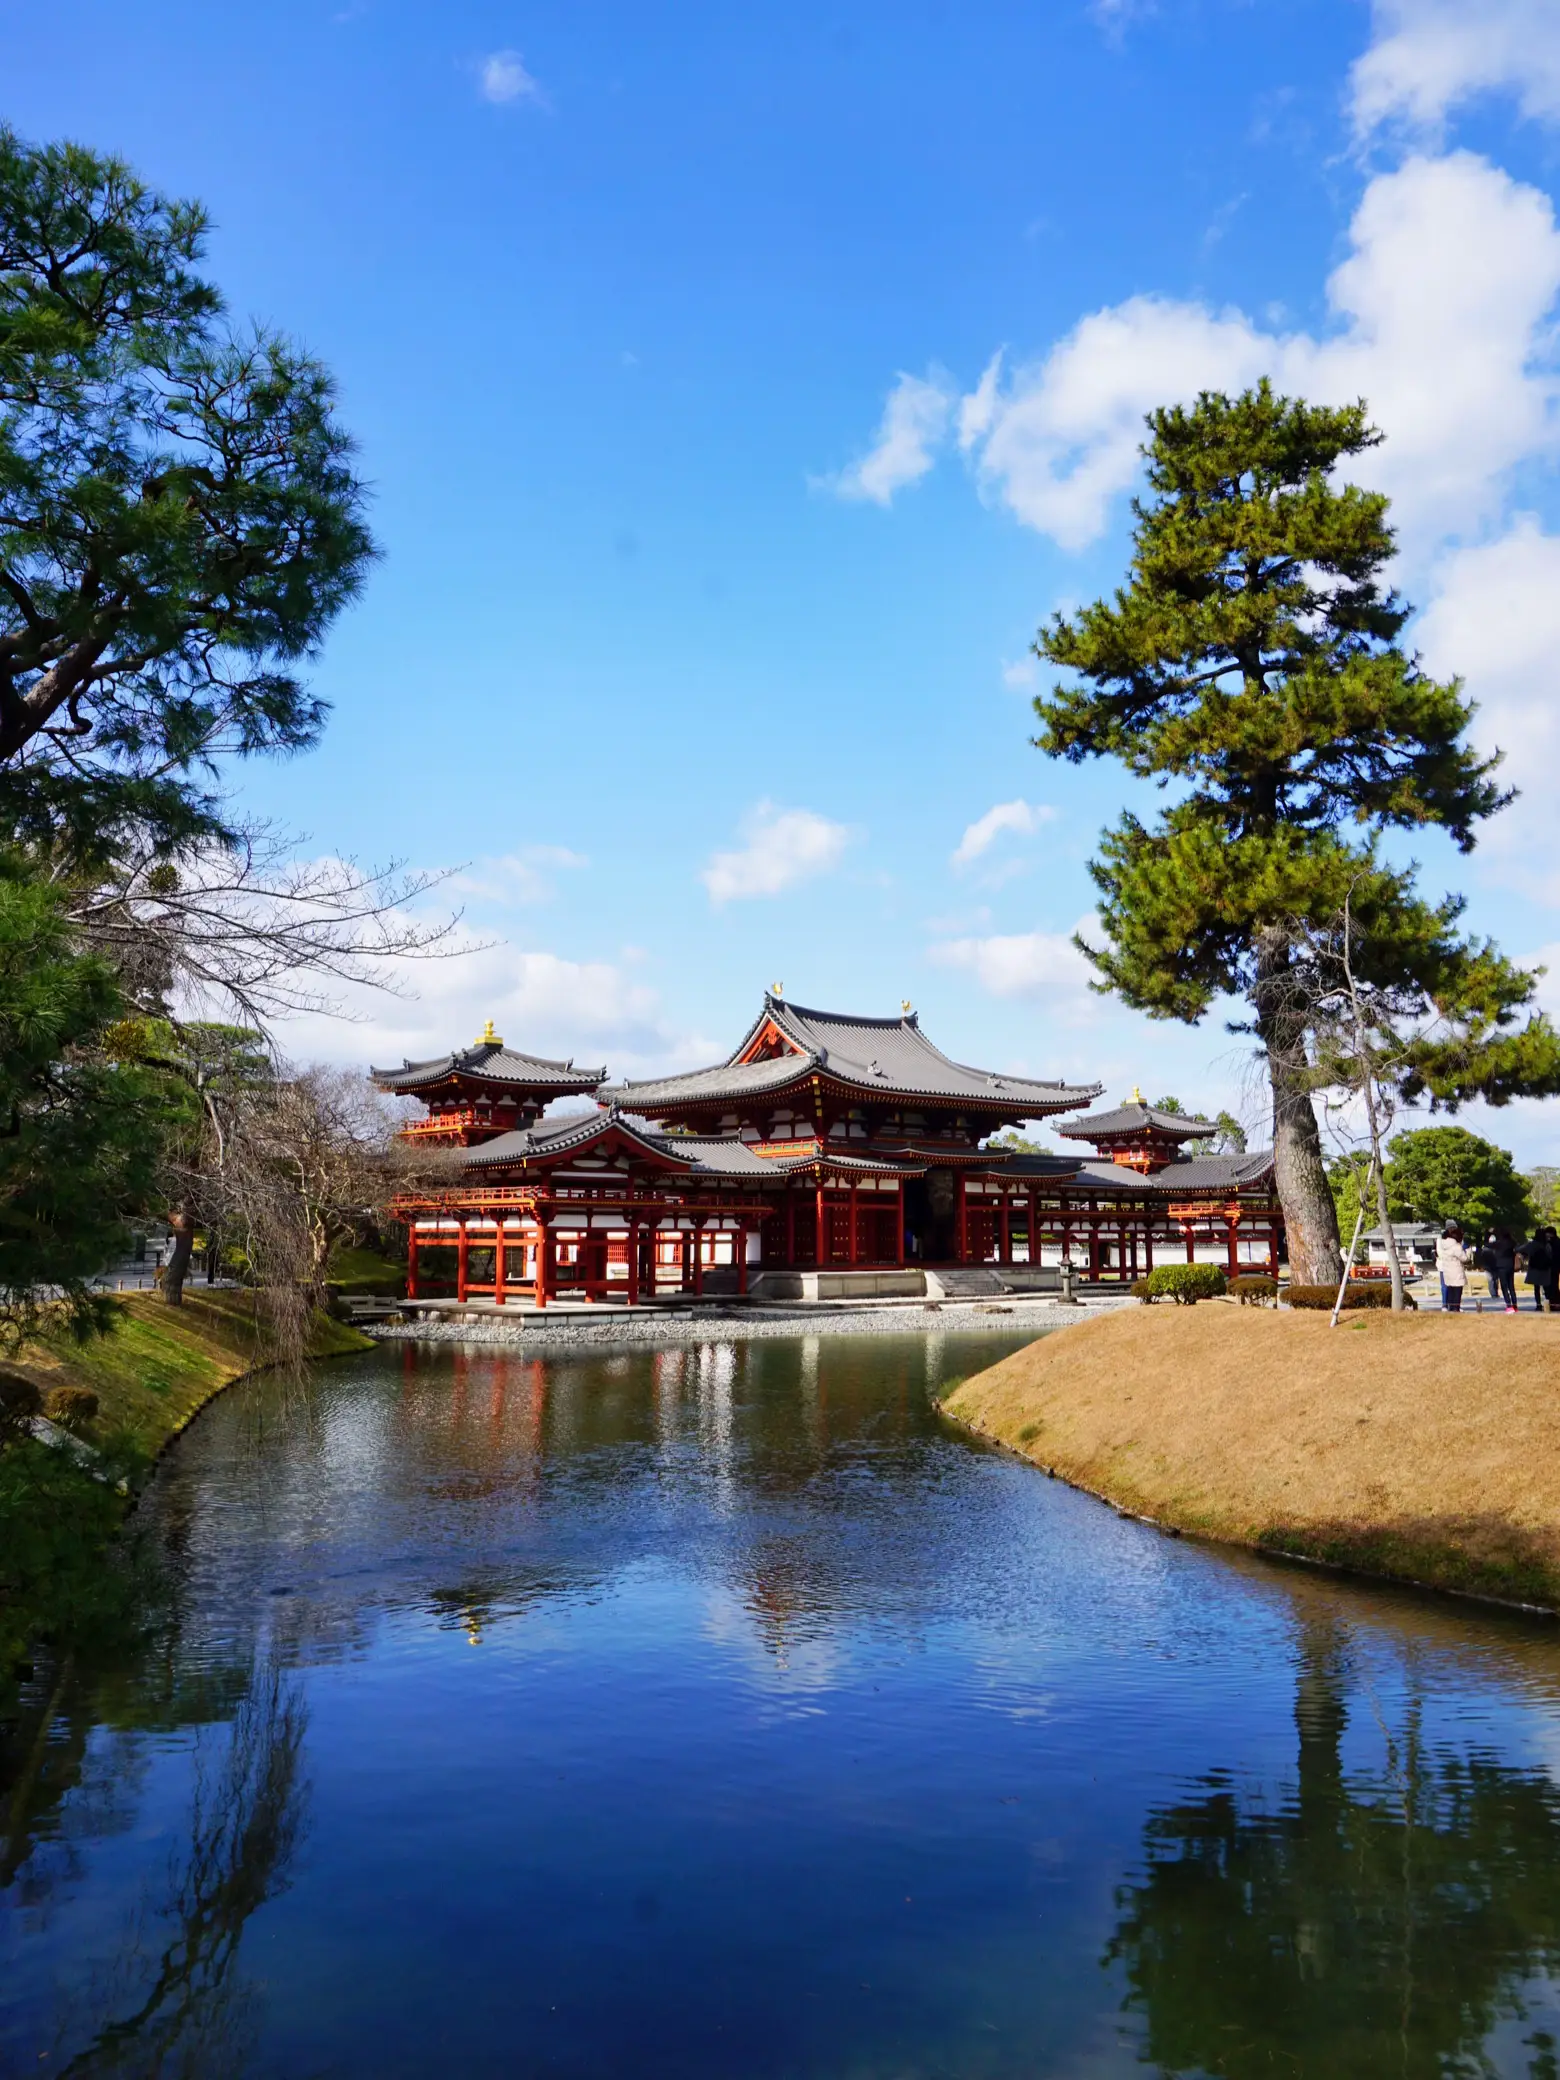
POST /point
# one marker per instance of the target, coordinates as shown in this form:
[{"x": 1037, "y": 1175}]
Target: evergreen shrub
[
  {"x": 1254, "y": 1288},
  {"x": 73, "y": 1408},
  {"x": 1186, "y": 1284},
  {"x": 1355, "y": 1295},
  {"x": 19, "y": 1402}
]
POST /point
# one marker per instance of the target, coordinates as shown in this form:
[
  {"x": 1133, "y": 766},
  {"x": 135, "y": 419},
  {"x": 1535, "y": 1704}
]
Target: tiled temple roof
[
  {"x": 704, "y": 1155},
  {"x": 881, "y": 1057},
  {"x": 1132, "y": 1119},
  {"x": 490, "y": 1061},
  {"x": 556, "y": 1137},
  {"x": 1188, "y": 1178}
]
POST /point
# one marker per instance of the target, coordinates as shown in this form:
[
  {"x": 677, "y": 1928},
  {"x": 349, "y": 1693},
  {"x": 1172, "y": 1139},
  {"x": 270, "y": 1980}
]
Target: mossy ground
[
  {"x": 160, "y": 1364},
  {"x": 366, "y": 1271},
  {"x": 62, "y": 1577},
  {"x": 1425, "y": 1448}
]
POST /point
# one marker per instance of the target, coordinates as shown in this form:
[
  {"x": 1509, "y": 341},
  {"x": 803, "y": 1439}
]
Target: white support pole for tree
[{"x": 1354, "y": 1243}]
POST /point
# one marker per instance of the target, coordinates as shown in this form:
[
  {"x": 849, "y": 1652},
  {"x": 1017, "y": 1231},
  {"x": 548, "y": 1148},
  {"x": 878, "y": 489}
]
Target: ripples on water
[{"x": 716, "y": 1712}]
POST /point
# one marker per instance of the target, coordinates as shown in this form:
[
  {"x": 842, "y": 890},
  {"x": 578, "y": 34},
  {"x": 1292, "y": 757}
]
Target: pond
[{"x": 718, "y": 1711}]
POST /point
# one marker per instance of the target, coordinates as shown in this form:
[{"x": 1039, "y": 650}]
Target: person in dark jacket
[
  {"x": 1542, "y": 1257},
  {"x": 1499, "y": 1258}
]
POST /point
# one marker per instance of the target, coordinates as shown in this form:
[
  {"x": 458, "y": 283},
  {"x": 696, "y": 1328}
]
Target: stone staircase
[{"x": 964, "y": 1282}]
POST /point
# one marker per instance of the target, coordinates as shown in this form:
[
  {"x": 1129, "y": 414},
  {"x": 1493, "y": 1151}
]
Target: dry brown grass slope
[{"x": 1426, "y": 1447}]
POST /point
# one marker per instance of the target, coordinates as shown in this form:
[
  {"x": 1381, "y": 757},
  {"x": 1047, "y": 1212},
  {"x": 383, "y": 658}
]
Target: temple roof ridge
[
  {"x": 880, "y": 1055},
  {"x": 491, "y": 1061},
  {"x": 1134, "y": 1118}
]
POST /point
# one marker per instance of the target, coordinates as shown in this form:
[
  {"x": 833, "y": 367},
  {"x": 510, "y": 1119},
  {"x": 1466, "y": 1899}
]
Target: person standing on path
[
  {"x": 1499, "y": 1258},
  {"x": 1542, "y": 1257},
  {"x": 1451, "y": 1261}
]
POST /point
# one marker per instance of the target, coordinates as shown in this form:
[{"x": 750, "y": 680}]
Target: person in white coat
[{"x": 1451, "y": 1260}]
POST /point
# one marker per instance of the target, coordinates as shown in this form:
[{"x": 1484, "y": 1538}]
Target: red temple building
[{"x": 827, "y": 1154}]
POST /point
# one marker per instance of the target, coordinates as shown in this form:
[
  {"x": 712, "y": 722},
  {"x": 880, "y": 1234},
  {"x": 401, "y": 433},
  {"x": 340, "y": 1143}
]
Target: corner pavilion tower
[{"x": 824, "y": 1142}]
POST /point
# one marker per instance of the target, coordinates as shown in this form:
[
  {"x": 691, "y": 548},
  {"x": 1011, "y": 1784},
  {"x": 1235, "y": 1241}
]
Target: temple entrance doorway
[{"x": 930, "y": 1225}]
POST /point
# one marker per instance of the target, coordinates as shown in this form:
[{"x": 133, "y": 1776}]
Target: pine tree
[
  {"x": 180, "y": 520},
  {"x": 1253, "y": 659},
  {"x": 80, "y": 1133}
]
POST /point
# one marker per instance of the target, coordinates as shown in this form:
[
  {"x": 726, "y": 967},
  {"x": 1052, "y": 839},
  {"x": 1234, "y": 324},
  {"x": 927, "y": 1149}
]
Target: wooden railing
[{"x": 441, "y": 1123}]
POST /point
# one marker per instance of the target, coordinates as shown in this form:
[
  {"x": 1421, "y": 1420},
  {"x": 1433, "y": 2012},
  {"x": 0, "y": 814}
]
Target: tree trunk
[
  {"x": 177, "y": 1268},
  {"x": 1310, "y": 1217}
]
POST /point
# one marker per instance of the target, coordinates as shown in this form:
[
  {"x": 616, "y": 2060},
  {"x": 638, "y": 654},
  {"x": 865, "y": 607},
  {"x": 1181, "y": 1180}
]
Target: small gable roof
[
  {"x": 1126, "y": 1121},
  {"x": 491, "y": 1062}
]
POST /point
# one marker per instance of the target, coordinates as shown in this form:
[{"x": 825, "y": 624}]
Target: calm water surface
[{"x": 717, "y": 1712}]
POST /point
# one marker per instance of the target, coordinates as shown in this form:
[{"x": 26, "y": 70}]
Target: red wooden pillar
[
  {"x": 1007, "y": 1229},
  {"x": 855, "y": 1224},
  {"x": 821, "y": 1251},
  {"x": 899, "y": 1222},
  {"x": 1273, "y": 1249},
  {"x": 1191, "y": 1245},
  {"x": 698, "y": 1255},
  {"x": 411, "y": 1260},
  {"x": 1233, "y": 1225},
  {"x": 499, "y": 1267},
  {"x": 1148, "y": 1245},
  {"x": 633, "y": 1261},
  {"x": 790, "y": 1226},
  {"x": 1034, "y": 1227},
  {"x": 742, "y": 1239},
  {"x": 962, "y": 1240},
  {"x": 460, "y": 1263},
  {"x": 1094, "y": 1249},
  {"x": 544, "y": 1261}
]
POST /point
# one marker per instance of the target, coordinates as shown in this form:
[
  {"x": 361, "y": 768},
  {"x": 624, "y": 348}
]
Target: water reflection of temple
[{"x": 824, "y": 1144}]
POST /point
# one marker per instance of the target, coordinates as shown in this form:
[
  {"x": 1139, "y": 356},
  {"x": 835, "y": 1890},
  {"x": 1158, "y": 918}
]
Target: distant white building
[{"x": 1415, "y": 1241}]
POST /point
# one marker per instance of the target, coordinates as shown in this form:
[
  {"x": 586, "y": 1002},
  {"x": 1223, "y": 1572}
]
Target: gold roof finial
[
  {"x": 905, "y": 1006},
  {"x": 487, "y": 1037},
  {"x": 1137, "y": 1095},
  {"x": 777, "y": 989}
]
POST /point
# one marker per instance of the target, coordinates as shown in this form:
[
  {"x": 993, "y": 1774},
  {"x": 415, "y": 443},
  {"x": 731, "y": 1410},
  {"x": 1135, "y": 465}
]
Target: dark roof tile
[{"x": 491, "y": 1062}]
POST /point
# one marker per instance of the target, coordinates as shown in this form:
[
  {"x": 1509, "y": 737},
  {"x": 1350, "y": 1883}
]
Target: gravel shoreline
[{"x": 713, "y": 1324}]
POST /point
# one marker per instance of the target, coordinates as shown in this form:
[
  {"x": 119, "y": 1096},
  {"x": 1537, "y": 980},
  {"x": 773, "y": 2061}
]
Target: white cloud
[
  {"x": 1022, "y": 675},
  {"x": 1495, "y": 619},
  {"x": 1027, "y": 964},
  {"x": 781, "y": 848},
  {"x": 915, "y": 421},
  {"x": 1442, "y": 302},
  {"x": 1427, "y": 56},
  {"x": 503, "y": 77},
  {"x": 594, "y": 1011},
  {"x": 1022, "y": 817},
  {"x": 515, "y": 878}
]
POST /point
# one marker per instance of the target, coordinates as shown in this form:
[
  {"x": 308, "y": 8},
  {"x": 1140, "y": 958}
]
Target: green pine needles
[{"x": 1253, "y": 661}]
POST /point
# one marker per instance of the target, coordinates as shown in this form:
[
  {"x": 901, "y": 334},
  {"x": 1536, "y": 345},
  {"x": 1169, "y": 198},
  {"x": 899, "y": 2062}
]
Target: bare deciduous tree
[{"x": 251, "y": 931}]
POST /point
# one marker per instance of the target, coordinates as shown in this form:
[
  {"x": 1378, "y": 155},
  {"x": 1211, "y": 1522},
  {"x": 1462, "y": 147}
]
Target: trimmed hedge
[
  {"x": 20, "y": 1401},
  {"x": 1186, "y": 1284},
  {"x": 1355, "y": 1295},
  {"x": 1254, "y": 1289},
  {"x": 73, "y": 1408}
]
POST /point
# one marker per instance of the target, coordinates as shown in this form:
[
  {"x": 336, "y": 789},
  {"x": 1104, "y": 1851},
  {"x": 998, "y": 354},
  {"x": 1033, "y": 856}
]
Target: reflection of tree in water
[
  {"x": 185, "y": 2011},
  {"x": 1364, "y": 1928}
]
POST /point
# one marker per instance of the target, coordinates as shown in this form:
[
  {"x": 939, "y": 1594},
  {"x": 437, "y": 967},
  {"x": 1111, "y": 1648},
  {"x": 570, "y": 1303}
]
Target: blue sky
[{"x": 715, "y": 529}]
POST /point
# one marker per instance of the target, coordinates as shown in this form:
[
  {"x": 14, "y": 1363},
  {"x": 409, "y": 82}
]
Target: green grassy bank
[{"x": 65, "y": 1575}]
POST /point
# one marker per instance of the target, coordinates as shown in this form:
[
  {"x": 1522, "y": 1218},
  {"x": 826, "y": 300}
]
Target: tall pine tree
[{"x": 1253, "y": 661}]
